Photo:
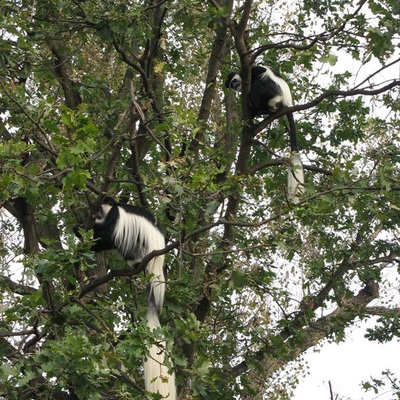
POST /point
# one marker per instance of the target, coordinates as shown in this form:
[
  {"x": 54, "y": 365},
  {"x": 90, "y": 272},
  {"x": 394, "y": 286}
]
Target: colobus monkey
[
  {"x": 133, "y": 232},
  {"x": 268, "y": 93}
]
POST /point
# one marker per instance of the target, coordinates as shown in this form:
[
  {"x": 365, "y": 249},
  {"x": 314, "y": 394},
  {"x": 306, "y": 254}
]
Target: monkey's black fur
[
  {"x": 268, "y": 93},
  {"x": 133, "y": 232}
]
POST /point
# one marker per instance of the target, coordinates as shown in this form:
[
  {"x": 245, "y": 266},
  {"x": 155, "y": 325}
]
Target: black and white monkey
[
  {"x": 269, "y": 93},
  {"x": 133, "y": 232}
]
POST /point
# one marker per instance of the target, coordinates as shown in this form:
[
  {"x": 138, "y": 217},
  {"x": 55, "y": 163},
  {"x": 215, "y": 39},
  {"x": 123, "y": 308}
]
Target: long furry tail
[
  {"x": 134, "y": 228},
  {"x": 155, "y": 268},
  {"x": 295, "y": 178},
  {"x": 296, "y": 172},
  {"x": 157, "y": 377}
]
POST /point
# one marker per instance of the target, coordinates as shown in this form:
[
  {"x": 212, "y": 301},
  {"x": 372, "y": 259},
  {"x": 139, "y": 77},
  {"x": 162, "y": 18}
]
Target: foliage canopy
[{"x": 127, "y": 98}]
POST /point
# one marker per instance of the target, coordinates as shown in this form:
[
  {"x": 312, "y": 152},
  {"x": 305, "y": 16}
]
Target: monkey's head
[
  {"x": 234, "y": 81},
  {"x": 107, "y": 204}
]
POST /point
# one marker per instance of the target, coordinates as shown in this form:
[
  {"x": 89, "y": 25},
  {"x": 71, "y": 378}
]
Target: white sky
[{"x": 346, "y": 365}]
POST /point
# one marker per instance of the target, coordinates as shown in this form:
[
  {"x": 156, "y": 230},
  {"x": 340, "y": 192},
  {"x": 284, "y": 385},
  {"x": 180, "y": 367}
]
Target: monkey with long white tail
[
  {"x": 133, "y": 232},
  {"x": 269, "y": 93}
]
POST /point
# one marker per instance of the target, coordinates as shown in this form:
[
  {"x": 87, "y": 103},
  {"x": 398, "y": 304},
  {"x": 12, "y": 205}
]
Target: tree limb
[
  {"x": 14, "y": 287},
  {"x": 329, "y": 93},
  {"x": 311, "y": 335}
]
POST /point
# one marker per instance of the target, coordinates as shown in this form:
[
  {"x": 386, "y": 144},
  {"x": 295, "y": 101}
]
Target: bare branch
[
  {"x": 322, "y": 37},
  {"x": 246, "y": 9},
  {"x": 285, "y": 161},
  {"x": 62, "y": 70},
  {"x": 218, "y": 52},
  {"x": 377, "y": 72},
  {"x": 382, "y": 311},
  {"x": 44, "y": 146}
]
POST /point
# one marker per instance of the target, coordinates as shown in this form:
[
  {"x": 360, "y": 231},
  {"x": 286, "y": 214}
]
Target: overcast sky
[{"x": 346, "y": 365}]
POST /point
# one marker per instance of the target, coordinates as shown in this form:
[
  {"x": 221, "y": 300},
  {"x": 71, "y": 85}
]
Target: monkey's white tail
[
  {"x": 132, "y": 229},
  {"x": 157, "y": 378},
  {"x": 155, "y": 268},
  {"x": 295, "y": 178}
]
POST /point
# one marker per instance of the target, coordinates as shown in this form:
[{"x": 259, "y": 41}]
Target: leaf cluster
[{"x": 127, "y": 99}]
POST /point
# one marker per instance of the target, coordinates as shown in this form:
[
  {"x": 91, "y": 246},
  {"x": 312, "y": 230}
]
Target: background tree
[{"x": 127, "y": 98}]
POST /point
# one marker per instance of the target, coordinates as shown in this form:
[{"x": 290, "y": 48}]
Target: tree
[{"x": 127, "y": 98}]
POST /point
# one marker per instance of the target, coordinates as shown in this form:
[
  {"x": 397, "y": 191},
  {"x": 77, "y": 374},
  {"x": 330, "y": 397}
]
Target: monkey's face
[
  {"x": 236, "y": 84},
  {"x": 234, "y": 81},
  {"x": 102, "y": 213}
]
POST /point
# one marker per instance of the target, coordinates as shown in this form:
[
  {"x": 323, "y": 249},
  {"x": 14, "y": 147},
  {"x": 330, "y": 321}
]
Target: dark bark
[
  {"x": 63, "y": 71},
  {"x": 218, "y": 52}
]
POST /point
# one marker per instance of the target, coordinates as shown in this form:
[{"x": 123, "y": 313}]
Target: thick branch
[
  {"x": 314, "y": 333},
  {"x": 246, "y": 10},
  {"x": 218, "y": 52},
  {"x": 285, "y": 161},
  {"x": 62, "y": 70},
  {"x": 382, "y": 311},
  {"x": 14, "y": 287},
  {"x": 25, "y": 214}
]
